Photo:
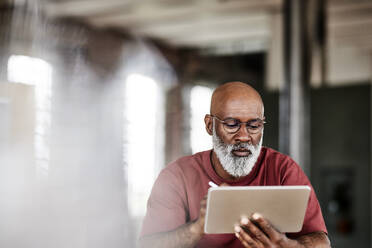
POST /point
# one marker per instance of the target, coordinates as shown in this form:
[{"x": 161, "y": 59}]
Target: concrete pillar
[{"x": 294, "y": 120}]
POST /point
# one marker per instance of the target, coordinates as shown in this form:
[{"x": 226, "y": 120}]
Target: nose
[{"x": 243, "y": 136}]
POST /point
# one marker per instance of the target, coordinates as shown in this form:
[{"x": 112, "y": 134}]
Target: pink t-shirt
[{"x": 177, "y": 192}]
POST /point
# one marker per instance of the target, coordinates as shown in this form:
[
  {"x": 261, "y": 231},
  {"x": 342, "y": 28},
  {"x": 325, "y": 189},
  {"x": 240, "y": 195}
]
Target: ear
[{"x": 208, "y": 120}]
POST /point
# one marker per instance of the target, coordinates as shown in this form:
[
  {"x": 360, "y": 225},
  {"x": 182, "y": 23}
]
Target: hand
[
  {"x": 257, "y": 232},
  {"x": 198, "y": 225}
]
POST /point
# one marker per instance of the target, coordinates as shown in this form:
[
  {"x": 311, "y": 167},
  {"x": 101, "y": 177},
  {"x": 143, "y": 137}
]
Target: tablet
[{"x": 283, "y": 206}]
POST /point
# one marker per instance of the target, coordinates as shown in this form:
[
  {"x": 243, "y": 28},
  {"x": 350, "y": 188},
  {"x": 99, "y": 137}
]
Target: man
[{"x": 176, "y": 207}]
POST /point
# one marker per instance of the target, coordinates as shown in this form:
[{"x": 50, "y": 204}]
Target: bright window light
[
  {"x": 28, "y": 70},
  {"x": 142, "y": 135},
  {"x": 200, "y": 104},
  {"x": 38, "y": 73}
]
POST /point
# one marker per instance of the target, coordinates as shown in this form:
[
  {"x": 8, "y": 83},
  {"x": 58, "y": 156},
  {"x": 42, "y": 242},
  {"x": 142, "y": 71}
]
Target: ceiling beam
[
  {"x": 150, "y": 13},
  {"x": 347, "y": 6},
  {"x": 238, "y": 47},
  {"x": 363, "y": 41},
  {"x": 356, "y": 27},
  {"x": 84, "y": 8},
  {"x": 220, "y": 37},
  {"x": 350, "y": 12},
  {"x": 199, "y": 26}
]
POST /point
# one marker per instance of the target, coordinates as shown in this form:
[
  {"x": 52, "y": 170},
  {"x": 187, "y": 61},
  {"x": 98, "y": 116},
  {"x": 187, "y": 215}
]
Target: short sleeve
[
  {"x": 313, "y": 222},
  {"x": 166, "y": 209}
]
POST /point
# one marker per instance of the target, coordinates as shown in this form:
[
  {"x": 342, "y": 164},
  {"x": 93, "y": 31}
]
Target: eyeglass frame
[{"x": 247, "y": 125}]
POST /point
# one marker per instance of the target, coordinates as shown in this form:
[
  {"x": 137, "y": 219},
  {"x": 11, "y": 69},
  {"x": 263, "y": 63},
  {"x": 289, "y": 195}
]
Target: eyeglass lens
[{"x": 233, "y": 126}]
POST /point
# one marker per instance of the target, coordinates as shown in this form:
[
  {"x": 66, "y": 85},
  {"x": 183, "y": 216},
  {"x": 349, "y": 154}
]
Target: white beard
[{"x": 236, "y": 166}]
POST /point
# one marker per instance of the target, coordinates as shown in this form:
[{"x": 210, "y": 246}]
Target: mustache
[{"x": 242, "y": 146}]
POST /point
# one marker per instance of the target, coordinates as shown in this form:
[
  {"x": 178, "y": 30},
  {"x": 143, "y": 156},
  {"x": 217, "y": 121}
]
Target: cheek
[
  {"x": 256, "y": 139},
  {"x": 223, "y": 136}
]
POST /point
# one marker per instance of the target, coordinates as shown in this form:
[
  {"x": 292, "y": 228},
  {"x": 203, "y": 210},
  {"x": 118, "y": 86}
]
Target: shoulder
[
  {"x": 178, "y": 174},
  {"x": 187, "y": 164},
  {"x": 282, "y": 164},
  {"x": 276, "y": 158},
  {"x": 289, "y": 172}
]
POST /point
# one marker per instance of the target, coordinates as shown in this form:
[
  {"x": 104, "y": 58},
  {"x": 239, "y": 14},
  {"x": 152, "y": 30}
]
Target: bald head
[{"x": 235, "y": 94}]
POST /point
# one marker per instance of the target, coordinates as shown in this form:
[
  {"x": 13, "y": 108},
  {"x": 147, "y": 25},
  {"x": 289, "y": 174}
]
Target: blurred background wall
[{"x": 96, "y": 97}]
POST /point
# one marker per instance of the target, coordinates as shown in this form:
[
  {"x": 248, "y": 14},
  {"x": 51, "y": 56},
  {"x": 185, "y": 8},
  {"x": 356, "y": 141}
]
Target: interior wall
[
  {"x": 340, "y": 145},
  {"x": 18, "y": 199}
]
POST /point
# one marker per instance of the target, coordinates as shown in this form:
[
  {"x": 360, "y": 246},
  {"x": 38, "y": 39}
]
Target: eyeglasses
[{"x": 232, "y": 125}]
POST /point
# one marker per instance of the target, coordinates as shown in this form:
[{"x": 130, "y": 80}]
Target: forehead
[{"x": 241, "y": 108}]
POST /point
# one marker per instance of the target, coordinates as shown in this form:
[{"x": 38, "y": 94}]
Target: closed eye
[
  {"x": 254, "y": 126},
  {"x": 232, "y": 124}
]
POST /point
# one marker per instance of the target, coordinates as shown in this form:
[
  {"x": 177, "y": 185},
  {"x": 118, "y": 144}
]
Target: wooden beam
[
  {"x": 84, "y": 8},
  {"x": 362, "y": 41},
  {"x": 335, "y": 7},
  {"x": 150, "y": 13},
  {"x": 351, "y": 28},
  {"x": 251, "y": 44},
  {"x": 201, "y": 25},
  {"x": 226, "y": 35}
]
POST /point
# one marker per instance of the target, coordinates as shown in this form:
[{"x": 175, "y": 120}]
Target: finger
[
  {"x": 203, "y": 206},
  {"x": 266, "y": 226},
  {"x": 255, "y": 231},
  {"x": 245, "y": 244},
  {"x": 245, "y": 238},
  {"x": 203, "y": 202},
  {"x": 237, "y": 234}
]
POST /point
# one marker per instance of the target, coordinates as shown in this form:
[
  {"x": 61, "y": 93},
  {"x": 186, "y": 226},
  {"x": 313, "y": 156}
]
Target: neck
[{"x": 218, "y": 168}]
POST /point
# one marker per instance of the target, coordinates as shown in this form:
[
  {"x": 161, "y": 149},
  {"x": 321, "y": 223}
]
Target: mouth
[{"x": 242, "y": 152}]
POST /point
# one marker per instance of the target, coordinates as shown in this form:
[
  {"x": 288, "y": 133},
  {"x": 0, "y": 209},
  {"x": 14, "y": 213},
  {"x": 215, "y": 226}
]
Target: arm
[
  {"x": 184, "y": 236},
  {"x": 258, "y": 232},
  {"x": 316, "y": 239}
]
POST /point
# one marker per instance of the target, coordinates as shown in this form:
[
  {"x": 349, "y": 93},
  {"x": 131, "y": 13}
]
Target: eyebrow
[{"x": 232, "y": 118}]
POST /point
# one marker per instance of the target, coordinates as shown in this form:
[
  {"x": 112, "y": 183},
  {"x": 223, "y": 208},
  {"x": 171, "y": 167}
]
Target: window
[
  {"x": 200, "y": 105},
  {"x": 143, "y": 137},
  {"x": 38, "y": 73}
]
